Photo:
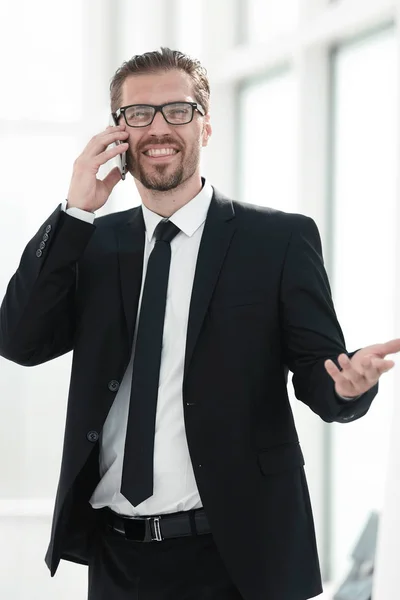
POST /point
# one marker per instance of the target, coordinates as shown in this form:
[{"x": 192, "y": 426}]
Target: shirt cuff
[
  {"x": 78, "y": 213},
  {"x": 346, "y": 398}
]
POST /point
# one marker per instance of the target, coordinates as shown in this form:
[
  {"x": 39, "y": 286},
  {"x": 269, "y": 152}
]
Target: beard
[{"x": 163, "y": 178}]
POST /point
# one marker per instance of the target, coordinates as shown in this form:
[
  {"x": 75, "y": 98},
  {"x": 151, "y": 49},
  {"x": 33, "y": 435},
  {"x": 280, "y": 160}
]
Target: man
[{"x": 182, "y": 474}]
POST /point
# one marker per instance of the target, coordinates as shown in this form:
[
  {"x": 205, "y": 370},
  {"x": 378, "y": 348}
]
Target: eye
[
  {"x": 139, "y": 112},
  {"x": 178, "y": 112}
]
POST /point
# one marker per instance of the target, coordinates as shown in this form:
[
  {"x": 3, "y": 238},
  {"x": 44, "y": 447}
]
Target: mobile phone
[{"x": 120, "y": 159}]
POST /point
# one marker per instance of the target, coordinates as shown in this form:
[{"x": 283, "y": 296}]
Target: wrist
[
  {"x": 72, "y": 205},
  {"x": 347, "y": 398}
]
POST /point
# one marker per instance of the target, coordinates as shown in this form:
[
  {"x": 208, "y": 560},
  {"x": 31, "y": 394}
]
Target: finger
[
  {"x": 349, "y": 371},
  {"x": 111, "y": 180},
  {"x": 345, "y": 362},
  {"x": 111, "y": 129},
  {"x": 381, "y": 365},
  {"x": 100, "y": 142},
  {"x": 347, "y": 388},
  {"x": 333, "y": 371},
  {"x": 370, "y": 366},
  {"x": 374, "y": 367},
  {"x": 117, "y": 131},
  {"x": 391, "y": 347},
  {"x": 105, "y": 156}
]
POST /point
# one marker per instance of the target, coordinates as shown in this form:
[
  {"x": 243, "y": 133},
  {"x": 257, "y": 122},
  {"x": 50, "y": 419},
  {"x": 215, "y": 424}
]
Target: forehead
[{"x": 157, "y": 88}]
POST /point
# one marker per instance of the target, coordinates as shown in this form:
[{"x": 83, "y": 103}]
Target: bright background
[{"x": 305, "y": 117}]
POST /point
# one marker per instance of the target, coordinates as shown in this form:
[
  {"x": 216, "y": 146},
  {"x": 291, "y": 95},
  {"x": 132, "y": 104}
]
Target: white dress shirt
[{"x": 175, "y": 487}]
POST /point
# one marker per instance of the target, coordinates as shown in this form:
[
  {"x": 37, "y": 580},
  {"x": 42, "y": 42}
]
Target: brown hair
[{"x": 164, "y": 59}]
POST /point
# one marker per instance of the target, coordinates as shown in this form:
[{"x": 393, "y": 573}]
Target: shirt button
[
  {"x": 113, "y": 385},
  {"x": 92, "y": 436}
]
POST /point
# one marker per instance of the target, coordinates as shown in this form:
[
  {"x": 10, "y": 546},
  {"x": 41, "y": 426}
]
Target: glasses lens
[
  {"x": 139, "y": 115},
  {"x": 178, "y": 113}
]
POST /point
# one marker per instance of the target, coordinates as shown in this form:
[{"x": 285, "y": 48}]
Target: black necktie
[{"x": 137, "y": 471}]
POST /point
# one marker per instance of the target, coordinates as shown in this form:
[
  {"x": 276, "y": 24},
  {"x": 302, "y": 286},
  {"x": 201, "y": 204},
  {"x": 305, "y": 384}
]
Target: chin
[
  {"x": 160, "y": 182},
  {"x": 160, "y": 186}
]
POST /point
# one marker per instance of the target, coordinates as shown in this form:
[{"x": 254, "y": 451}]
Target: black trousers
[{"x": 184, "y": 568}]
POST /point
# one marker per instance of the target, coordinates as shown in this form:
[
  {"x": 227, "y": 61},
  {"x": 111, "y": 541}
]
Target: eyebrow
[{"x": 167, "y": 102}]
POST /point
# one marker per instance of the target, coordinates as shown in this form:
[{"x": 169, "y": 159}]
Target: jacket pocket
[{"x": 280, "y": 458}]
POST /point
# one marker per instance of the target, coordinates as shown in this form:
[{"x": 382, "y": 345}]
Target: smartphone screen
[{"x": 120, "y": 159}]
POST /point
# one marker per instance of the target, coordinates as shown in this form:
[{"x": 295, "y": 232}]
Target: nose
[{"x": 159, "y": 125}]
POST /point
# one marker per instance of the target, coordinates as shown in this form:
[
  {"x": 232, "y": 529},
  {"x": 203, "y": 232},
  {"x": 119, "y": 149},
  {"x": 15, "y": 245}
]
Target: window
[
  {"x": 268, "y": 147},
  {"x": 267, "y": 18},
  {"x": 41, "y": 62},
  {"x": 365, "y": 132}
]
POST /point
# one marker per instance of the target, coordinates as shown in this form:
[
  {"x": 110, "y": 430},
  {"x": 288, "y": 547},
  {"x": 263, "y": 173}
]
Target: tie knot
[{"x": 166, "y": 231}]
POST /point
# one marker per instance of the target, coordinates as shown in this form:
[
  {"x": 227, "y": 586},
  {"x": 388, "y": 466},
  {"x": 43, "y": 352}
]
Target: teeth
[{"x": 160, "y": 151}]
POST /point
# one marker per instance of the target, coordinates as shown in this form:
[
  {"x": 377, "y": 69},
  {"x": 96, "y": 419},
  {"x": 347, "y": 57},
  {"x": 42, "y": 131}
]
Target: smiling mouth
[{"x": 158, "y": 153}]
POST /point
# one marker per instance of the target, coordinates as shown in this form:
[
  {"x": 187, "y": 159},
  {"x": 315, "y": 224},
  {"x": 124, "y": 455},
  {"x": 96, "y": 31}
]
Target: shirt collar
[{"x": 188, "y": 218}]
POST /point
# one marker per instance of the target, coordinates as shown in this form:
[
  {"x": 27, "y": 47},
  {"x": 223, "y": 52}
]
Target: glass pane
[
  {"x": 42, "y": 74},
  {"x": 267, "y": 18},
  {"x": 39, "y": 169},
  {"x": 268, "y": 149},
  {"x": 366, "y": 106},
  {"x": 38, "y": 174}
]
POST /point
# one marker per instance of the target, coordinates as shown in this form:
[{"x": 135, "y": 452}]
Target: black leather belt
[{"x": 157, "y": 528}]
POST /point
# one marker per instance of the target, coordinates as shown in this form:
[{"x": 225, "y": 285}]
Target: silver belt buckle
[{"x": 157, "y": 529}]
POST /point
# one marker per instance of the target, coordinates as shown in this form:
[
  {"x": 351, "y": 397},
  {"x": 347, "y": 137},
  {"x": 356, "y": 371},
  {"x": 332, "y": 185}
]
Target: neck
[{"x": 166, "y": 204}]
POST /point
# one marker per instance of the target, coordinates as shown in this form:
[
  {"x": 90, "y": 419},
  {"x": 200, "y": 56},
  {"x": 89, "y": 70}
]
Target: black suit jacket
[{"x": 261, "y": 306}]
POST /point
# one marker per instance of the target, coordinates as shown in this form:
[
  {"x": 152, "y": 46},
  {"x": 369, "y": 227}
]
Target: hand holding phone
[{"x": 85, "y": 190}]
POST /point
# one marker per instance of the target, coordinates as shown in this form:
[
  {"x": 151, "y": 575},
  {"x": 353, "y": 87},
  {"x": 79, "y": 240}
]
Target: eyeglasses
[{"x": 175, "y": 113}]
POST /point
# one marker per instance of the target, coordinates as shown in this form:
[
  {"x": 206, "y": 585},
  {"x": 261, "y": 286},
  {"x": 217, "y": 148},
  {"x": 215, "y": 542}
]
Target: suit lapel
[
  {"x": 218, "y": 231},
  {"x": 219, "y": 228},
  {"x": 130, "y": 237}
]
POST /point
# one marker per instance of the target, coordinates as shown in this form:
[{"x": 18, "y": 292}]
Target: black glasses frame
[{"x": 159, "y": 108}]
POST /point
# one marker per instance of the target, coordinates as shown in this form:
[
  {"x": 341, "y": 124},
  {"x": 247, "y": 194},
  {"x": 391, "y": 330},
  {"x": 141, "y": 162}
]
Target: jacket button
[
  {"x": 48, "y": 228},
  {"x": 45, "y": 237},
  {"x": 42, "y": 245},
  {"x": 92, "y": 436},
  {"x": 39, "y": 253},
  {"x": 113, "y": 385}
]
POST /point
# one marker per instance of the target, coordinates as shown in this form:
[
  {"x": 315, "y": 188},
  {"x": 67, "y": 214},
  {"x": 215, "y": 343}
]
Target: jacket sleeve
[
  {"x": 37, "y": 317},
  {"x": 310, "y": 329}
]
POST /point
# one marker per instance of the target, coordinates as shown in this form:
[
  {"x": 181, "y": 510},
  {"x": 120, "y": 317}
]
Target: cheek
[
  {"x": 134, "y": 140},
  {"x": 196, "y": 140}
]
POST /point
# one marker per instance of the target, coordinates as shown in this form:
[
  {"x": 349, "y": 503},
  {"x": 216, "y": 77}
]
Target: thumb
[{"x": 111, "y": 180}]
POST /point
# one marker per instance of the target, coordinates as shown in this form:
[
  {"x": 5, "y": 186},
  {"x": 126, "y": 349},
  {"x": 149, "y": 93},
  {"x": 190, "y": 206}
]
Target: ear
[{"x": 207, "y": 130}]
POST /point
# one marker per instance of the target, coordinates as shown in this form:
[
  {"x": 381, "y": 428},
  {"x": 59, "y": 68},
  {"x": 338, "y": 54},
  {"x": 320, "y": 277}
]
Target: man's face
[{"x": 166, "y": 172}]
